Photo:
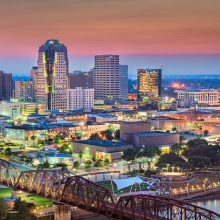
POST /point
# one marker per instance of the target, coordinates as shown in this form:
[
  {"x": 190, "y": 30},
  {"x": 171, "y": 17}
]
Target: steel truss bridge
[{"x": 68, "y": 188}]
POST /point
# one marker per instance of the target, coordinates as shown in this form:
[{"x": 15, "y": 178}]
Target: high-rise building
[
  {"x": 33, "y": 76},
  {"x": 80, "y": 98},
  {"x": 106, "y": 78},
  {"x": 149, "y": 87},
  {"x": 6, "y": 86},
  {"x": 25, "y": 91},
  {"x": 53, "y": 75},
  {"x": 123, "y": 81},
  {"x": 81, "y": 79}
]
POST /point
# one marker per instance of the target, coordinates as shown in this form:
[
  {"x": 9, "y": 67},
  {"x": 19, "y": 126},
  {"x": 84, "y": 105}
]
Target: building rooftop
[
  {"x": 102, "y": 143},
  {"x": 149, "y": 134}
]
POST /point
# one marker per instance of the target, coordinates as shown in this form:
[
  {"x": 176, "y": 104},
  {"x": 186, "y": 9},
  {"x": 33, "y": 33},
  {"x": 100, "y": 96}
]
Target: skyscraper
[
  {"x": 53, "y": 75},
  {"x": 106, "y": 78},
  {"x": 123, "y": 81},
  {"x": 149, "y": 87},
  {"x": 81, "y": 79},
  {"x": 6, "y": 86}
]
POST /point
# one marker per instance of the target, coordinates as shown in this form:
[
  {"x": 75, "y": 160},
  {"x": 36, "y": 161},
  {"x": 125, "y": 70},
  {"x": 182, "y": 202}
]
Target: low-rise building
[
  {"x": 150, "y": 139},
  {"x": 80, "y": 98},
  {"x": 209, "y": 96},
  {"x": 100, "y": 149},
  {"x": 28, "y": 108},
  {"x": 53, "y": 158},
  {"x": 10, "y": 109},
  {"x": 167, "y": 123},
  {"x": 102, "y": 117}
]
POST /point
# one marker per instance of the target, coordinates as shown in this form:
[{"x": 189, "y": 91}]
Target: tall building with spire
[{"x": 53, "y": 75}]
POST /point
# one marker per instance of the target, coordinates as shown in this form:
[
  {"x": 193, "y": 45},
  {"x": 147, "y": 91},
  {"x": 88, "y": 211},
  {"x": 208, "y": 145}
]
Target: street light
[{"x": 115, "y": 164}]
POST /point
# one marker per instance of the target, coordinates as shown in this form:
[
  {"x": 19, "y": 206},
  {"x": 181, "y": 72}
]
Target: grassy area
[
  {"x": 213, "y": 179},
  {"x": 5, "y": 192},
  {"x": 39, "y": 201}
]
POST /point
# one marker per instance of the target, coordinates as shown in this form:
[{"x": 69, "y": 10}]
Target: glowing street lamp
[{"x": 115, "y": 164}]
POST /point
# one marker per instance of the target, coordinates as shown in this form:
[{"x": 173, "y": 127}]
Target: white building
[
  {"x": 209, "y": 96},
  {"x": 11, "y": 109},
  {"x": 80, "y": 98}
]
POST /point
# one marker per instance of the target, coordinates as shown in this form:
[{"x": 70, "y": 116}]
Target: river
[{"x": 212, "y": 203}]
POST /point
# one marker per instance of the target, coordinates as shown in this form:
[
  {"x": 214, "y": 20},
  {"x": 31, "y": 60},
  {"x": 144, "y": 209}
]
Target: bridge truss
[{"x": 68, "y": 188}]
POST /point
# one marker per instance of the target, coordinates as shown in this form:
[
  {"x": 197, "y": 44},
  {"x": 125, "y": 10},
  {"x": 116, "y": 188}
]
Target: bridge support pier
[{"x": 61, "y": 211}]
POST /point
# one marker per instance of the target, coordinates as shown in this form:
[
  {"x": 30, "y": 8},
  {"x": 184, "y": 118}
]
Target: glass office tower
[{"x": 149, "y": 87}]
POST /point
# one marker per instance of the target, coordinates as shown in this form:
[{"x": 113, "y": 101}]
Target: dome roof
[{"x": 53, "y": 42}]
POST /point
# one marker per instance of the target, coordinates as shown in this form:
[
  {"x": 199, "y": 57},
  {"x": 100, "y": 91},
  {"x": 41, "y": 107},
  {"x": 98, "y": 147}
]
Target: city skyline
[{"x": 132, "y": 29}]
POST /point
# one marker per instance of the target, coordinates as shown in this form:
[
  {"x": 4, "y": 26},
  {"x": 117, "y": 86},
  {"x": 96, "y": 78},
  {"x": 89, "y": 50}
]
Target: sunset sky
[{"x": 181, "y": 34}]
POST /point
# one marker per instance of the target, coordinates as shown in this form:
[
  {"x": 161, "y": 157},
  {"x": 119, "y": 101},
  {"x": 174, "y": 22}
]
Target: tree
[
  {"x": 80, "y": 154},
  {"x": 206, "y": 132},
  {"x": 95, "y": 136},
  {"x": 151, "y": 151},
  {"x": 64, "y": 166},
  {"x": 174, "y": 129},
  {"x": 182, "y": 138},
  {"x": 57, "y": 140},
  {"x": 106, "y": 162},
  {"x": 176, "y": 148},
  {"x": 106, "y": 135},
  {"x": 43, "y": 166},
  {"x": 195, "y": 142},
  {"x": 93, "y": 159},
  {"x": 130, "y": 153},
  {"x": 62, "y": 135},
  {"x": 200, "y": 135},
  {"x": 87, "y": 164},
  {"x": 8, "y": 152},
  {"x": 117, "y": 134},
  {"x": 98, "y": 163},
  {"x": 169, "y": 158},
  {"x": 199, "y": 161},
  {"x": 111, "y": 127},
  {"x": 24, "y": 209},
  {"x": 3, "y": 209},
  {"x": 76, "y": 165},
  {"x": 29, "y": 160},
  {"x": 64, "y": 149}
]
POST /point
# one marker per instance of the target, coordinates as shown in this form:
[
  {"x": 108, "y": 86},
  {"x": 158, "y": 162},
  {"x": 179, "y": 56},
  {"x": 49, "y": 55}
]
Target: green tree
[
  {"x": 98, "y": 163},
  {"x": 111, "y": 127},
  {"x": 174, "y": 129},
  {"x": 43, "y": 166},
  {"x": 93, "y": 159},
  {"x": 106, "y": 135},
  {"x": 130, "y": 154},
  {"x": 80, "y": 154},
  {"x": 62, "y": 135},
  {"x": 3, "y": 209},
  {"x": 182, "y": 138},
  {"x": 169, "y": 158},
  {"x": 176, "y": 148},
  {"x": 8, "y": 151},
  {"x": 151, "y": 151},
  {"x": 200, "y": 135},
  {"x": 199, "y": 161},
  {"x": 76, "y": 165},
  {"x": 95, "y": 136},
  {"x": 24, "y": 209},
  {"x": 117, "y": 134},
  {"x": 57, "y": 140},
  {"x": 64, "y": 166},
  {"x": 87, "y": 164},
  {"x": 65, "y": 149},
  {"x": 106, "y": 162},
  {"x": 206, "y": 132}
]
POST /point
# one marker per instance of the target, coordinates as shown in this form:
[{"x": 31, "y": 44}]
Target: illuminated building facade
[
  {"x": 106, "y": 78},
  {"x": 53, "y": 75},
  {"x": 123, "y": 80},
  {"x": 149, "y": 87},
  {"x": 25, "y": 91}
]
